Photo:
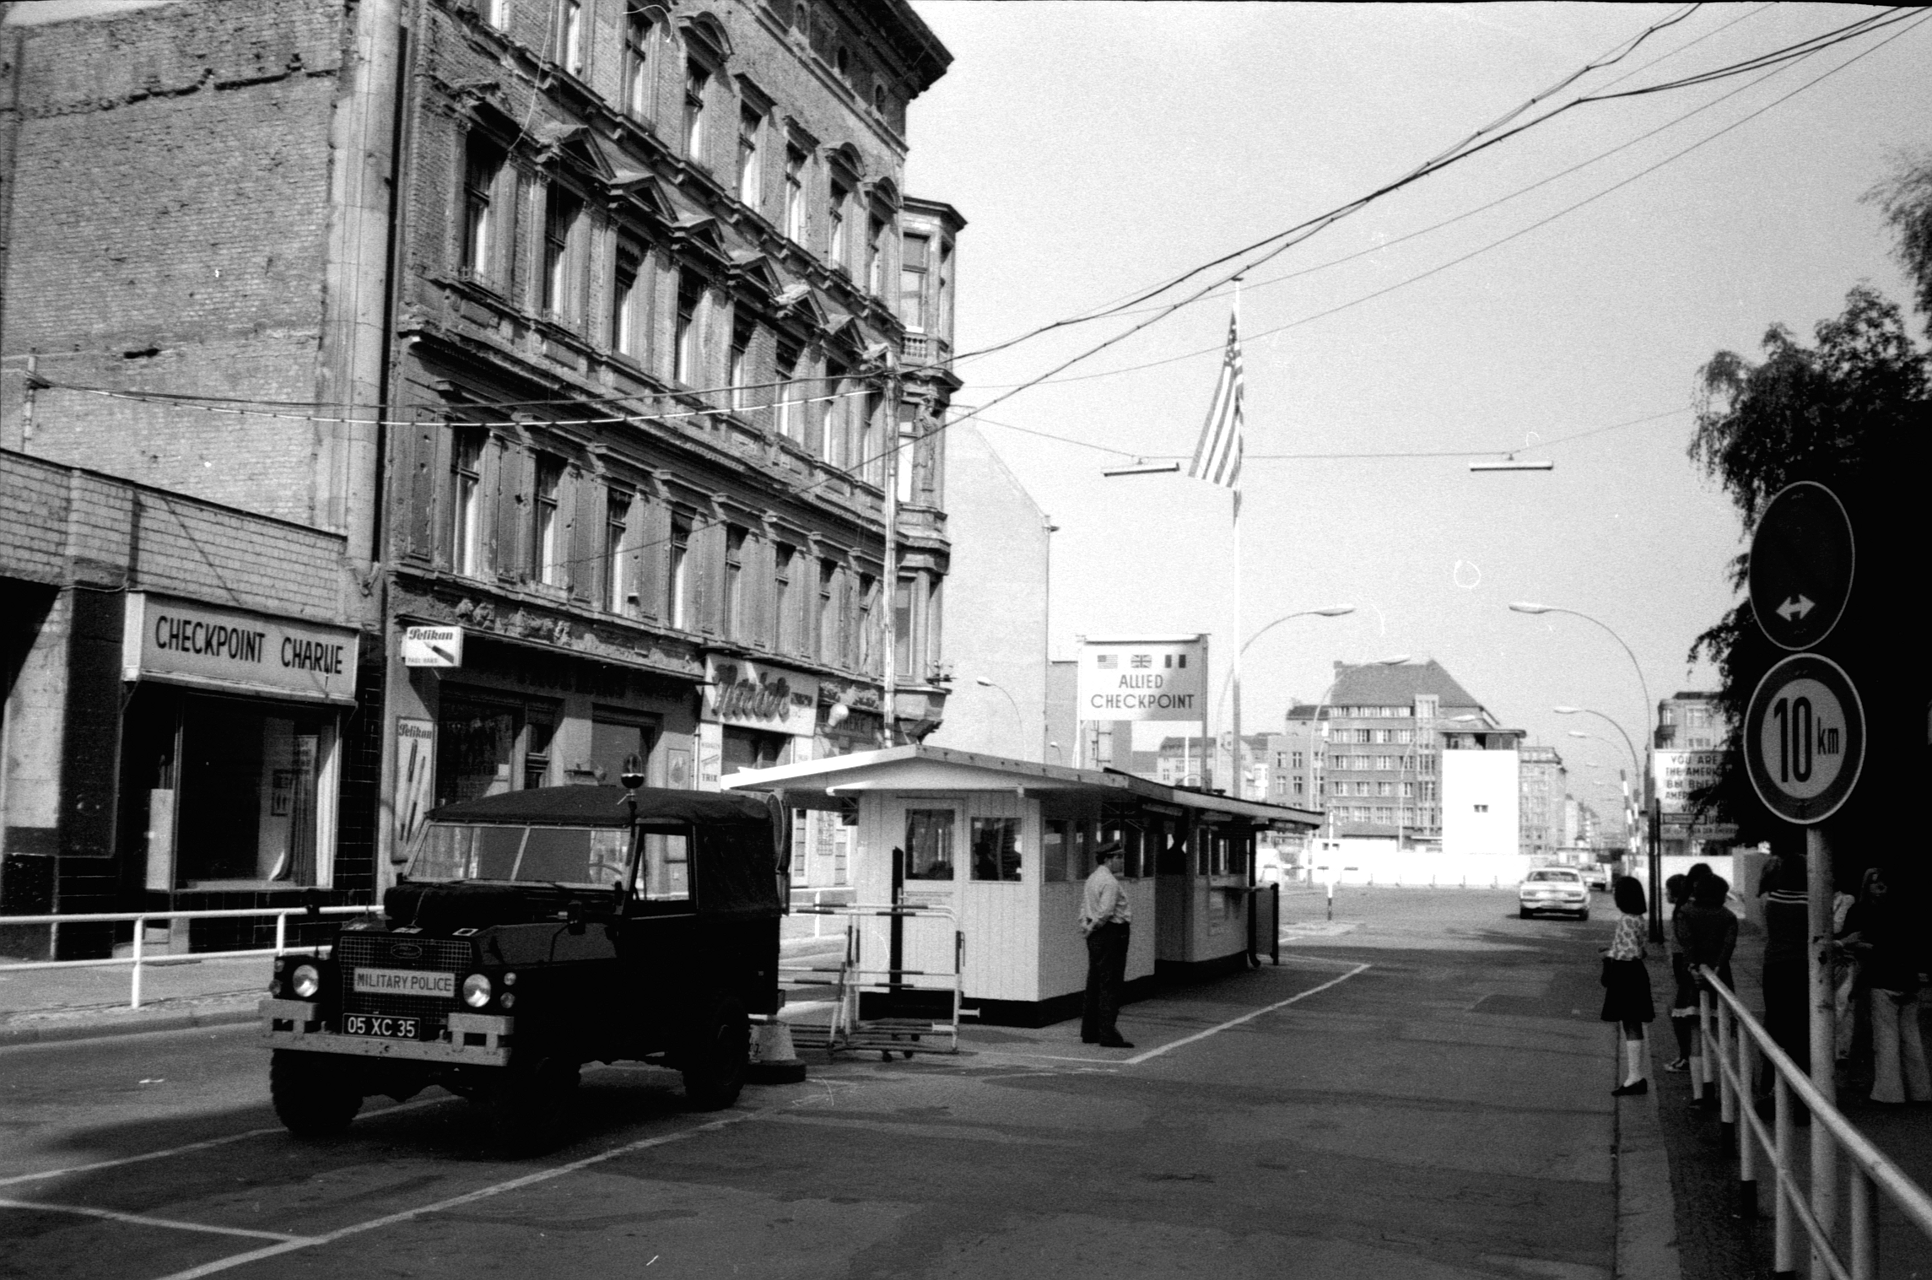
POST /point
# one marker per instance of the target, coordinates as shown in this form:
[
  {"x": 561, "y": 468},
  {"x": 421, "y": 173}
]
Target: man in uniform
[{"x": 1104, "y": 916}]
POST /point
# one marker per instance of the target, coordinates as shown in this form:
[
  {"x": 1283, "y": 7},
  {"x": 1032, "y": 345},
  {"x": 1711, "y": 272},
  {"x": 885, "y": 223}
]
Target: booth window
[
  {"x": 1054, "y": 847},
  {"x": 996, "y": 849},
  {"x": 929, "y": 844}
]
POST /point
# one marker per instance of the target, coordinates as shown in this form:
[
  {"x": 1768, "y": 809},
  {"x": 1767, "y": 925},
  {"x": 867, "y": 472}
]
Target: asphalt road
[{"x": 1420, "y": 1091}]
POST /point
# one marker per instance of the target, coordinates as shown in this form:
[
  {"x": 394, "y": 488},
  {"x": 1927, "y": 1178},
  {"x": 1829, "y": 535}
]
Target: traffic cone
[{"x": 773, "y": 1059}]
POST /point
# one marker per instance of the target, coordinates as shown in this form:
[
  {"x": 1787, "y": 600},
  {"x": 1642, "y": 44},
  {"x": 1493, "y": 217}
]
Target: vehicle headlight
[
  {"x": 476, "y": 990},
  {"x": 508, "y": 1000},
  {"x": 306, "y": 981}
]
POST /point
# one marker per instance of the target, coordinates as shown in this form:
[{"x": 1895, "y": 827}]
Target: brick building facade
[{"x": 580, "y": 330}]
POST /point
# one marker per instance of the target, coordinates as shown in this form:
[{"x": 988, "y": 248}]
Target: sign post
[{"x": 1804, "y": 739}]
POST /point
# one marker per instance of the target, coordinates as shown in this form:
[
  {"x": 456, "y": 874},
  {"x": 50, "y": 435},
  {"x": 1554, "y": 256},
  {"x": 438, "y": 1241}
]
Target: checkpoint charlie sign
[
  {"x": 1154, "y": 678},
  {"x": 187, "y": 643}
]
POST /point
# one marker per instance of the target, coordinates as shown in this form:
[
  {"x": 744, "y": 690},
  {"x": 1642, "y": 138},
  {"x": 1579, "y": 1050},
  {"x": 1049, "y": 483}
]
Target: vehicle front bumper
[
  {"x": 475, "y": 1039},
  {"x": 1554, "y": 904}
]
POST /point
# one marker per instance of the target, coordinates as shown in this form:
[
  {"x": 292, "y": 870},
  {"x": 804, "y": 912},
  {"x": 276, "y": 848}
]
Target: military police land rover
[{"x": 533, "y": 932}]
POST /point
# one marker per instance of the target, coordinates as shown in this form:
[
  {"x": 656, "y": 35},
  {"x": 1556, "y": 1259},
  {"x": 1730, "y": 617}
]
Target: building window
[
  {"x": 929, "y": 844},
  {"x": 784, "y": 626},
  {"x": 561, "y": 208},
  {"x": 1482, "y": 808},
  {"x": 913, "y": 253},
  {"x": 482, "y": 162},
  {"x": 617, "y": 524},
  {"x": 546, "y": 540},
  {"x": 828, "y": 611},
  {"x": 875, "y": 231},
  {"x": 750, "y": 188},
  {"x": 695, "y": 82},
  {"x": 570, "y": 36},
  {"x": 868, "y": 644},
  {"x": 740, "y": 373},
  {"x": 795, "y": 194},
  {"x": 934, "y": 591},
  {"x": 678, "y": 581},
  {"x": 734, "y": 591},
  {"x": 832, "y": 428},
  {"x": 495, "y": 13},
  {"x": 872, "y": 454},
  {"x": 902, "y": 625},
  {"x": 627, "y": 323},
  {"x": 637, "y": 82},
  {"x": 466, "y": 483},
  {"x": 835, "y": 219},
  {"x": 879, "y": 98},
  {"x": 788, "y": 420},
  {"x": 996, "y": 849},
  {"x": 689, "y": 328}
]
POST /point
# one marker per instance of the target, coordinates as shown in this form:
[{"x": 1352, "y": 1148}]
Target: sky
[{"x": 1098, "y": 149}]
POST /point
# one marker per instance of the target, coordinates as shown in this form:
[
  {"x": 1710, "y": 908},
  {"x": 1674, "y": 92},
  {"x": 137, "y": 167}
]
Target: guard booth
[{"x": 1005, "y": 847}]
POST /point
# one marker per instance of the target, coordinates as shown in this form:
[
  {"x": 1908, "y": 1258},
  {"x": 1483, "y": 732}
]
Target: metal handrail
[
  {"x": 140, "y": 920},
  {"x": 1870, "y": 1166}
]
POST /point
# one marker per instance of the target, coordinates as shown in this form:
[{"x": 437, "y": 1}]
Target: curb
[
  {"x": 54, "y": 1033},
  {"x": 1646, "y": 1246}
]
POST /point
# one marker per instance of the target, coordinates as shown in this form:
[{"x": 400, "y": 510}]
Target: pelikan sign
[{"x": 1146, "y": 678}]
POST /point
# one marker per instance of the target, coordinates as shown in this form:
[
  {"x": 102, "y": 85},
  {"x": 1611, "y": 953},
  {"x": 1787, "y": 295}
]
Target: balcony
[{"x": 928, "y": 349}]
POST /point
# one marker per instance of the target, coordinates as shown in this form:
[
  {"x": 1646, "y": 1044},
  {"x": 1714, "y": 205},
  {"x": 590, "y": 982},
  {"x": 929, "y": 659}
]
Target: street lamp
[
  {"x": 1656, "y": 860},
  {"x": 1019, "y": 721},
  {"x": 1227, "y": 681}
]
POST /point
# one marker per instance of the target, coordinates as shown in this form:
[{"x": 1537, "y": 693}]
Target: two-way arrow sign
[
  {"x": 1795, "y": 608},
  {"x": 1801, "y": 565}
]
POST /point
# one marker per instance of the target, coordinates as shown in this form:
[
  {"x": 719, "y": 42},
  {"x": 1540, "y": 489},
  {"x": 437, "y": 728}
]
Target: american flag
[{"x": 1217, "y": 458}]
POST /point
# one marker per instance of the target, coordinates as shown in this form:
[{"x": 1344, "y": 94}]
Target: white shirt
[{"x": 1104, "y": 901}]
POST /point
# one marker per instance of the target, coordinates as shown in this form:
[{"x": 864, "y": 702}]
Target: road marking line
[
  {"x": 143, "y": 1220},
  {"x": 44, "y": 1174},
  {"x": 482, "y": 1193},
  {"x": 1185, "y": 1040}
]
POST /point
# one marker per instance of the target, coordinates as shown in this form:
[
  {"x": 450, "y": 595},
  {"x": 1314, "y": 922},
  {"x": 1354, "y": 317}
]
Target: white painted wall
[{"x": 1480, "y": 803}]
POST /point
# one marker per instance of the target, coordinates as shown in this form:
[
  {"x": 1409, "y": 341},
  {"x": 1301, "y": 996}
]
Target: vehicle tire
[
  {"x": 1583, "y": 914},
  {"x": 1524, "y": 913},
  {"x": 529, "y": 1105},
  {"x": 715, "y": 1061},
  {"x": 316, "y": 1095}
]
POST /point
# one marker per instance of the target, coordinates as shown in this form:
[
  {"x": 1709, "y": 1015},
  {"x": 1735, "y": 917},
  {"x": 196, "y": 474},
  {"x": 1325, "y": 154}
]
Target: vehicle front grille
[{"x": 378, "y": 951}]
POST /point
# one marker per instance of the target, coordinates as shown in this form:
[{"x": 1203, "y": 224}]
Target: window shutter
[
  {"x": 428, "y": 470},
  {"x": 585, "y": 503},
  {"x": 507, "y": 538},
  {"x": 652, "y": 530},
  {"x": 707, "y": 569}
]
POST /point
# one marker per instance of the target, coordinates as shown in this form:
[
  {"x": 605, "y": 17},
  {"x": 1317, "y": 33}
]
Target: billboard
[
  {"x": 1155, "y": 678},
  {"x": 1674, "y": 775}
]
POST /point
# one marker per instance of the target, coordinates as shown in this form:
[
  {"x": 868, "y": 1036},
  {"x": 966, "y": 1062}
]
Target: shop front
[
  {"x": 1006, "y": 845},
  {"x": 231, "y": 754}
]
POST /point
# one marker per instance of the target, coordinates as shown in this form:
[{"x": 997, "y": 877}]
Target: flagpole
[{"x": 1235, "y": 723}]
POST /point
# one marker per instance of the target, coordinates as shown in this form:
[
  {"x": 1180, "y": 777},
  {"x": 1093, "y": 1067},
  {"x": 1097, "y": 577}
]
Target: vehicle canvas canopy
[{"x": 718, "y": 854}]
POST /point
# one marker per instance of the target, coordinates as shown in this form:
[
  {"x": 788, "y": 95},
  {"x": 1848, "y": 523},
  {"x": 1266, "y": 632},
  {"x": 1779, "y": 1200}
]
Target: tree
[
  {"x": 1906, "y": 200},
  {"x": 1851, "y": 413}
]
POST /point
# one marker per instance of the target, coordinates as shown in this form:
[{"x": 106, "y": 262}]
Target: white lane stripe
[
  {"x": 1137, "y": 1059},
  {"x": 144, "y": 1220},
  {"x": 1185, "y": 1040},
  {"x": 45, "y": 1174},
  {"x": 514, "y": 1184}
]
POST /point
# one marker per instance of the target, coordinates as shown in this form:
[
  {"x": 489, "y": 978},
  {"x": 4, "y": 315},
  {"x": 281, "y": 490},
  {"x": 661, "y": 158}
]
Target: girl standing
[{"x": 1626, "y": 984}]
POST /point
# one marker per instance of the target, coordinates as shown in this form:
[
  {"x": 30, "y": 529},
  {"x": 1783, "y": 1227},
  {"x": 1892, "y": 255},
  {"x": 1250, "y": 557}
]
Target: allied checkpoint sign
[
  {"x": 1145, "y": 678},
  {"x": 1804, "y": 738},
  {"x": 1804, "y": 732}
]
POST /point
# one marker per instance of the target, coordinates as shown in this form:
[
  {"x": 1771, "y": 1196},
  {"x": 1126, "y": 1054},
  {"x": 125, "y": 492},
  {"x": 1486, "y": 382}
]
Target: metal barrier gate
[{"x": 884, "y": 1007}]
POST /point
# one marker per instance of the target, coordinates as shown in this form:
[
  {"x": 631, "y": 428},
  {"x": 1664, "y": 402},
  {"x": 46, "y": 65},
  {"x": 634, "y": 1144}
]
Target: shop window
[
  {"x": 996, "y": 849},
  {"x": 536, "y": 753},
  {"x": 1054, "y": 850},
  {"x": 475, "y": 748},
  {"x": 929, "y": 844},
  {"x": 614, "y": 738},
  {"x": 255, "y": 794},
  {"x": 749, "y": 749}
]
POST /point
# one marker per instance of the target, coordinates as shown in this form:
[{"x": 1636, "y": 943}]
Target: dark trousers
[{"x": 1106, "y": 972}]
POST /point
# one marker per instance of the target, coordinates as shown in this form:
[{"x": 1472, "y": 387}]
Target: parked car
[
  {"x": 1597, "y": 876},
  {"x": 1554, "y": 890},
  {"x": 533, "y": 932}
]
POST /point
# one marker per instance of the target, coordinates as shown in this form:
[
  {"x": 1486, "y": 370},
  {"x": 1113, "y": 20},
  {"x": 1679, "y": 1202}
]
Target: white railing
[
  {"x": 848, "y": 892},
  {"x": 138, "y": 959},
  {"x": 1869, "y": 1169}
]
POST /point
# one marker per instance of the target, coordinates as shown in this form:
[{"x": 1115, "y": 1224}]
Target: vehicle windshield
[
  {"x": 587, "y": 857},
  {"x": 1570, "y": 877}
]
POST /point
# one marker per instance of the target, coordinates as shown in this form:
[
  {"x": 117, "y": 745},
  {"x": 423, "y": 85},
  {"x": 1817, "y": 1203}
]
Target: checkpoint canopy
[{"x": 1006, "y": 845}]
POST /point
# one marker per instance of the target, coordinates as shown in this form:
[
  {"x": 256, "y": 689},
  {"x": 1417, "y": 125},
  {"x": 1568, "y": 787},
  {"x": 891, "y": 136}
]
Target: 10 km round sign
[{"x": 1804, "y": 738}]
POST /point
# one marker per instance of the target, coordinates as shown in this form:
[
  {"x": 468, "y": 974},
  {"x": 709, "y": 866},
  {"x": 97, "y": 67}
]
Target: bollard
[{"x": 140, "y": 936}]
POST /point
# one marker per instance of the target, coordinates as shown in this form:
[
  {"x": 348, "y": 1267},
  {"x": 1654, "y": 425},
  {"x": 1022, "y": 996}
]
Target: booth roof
[{"x": 947, "y": 769}]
